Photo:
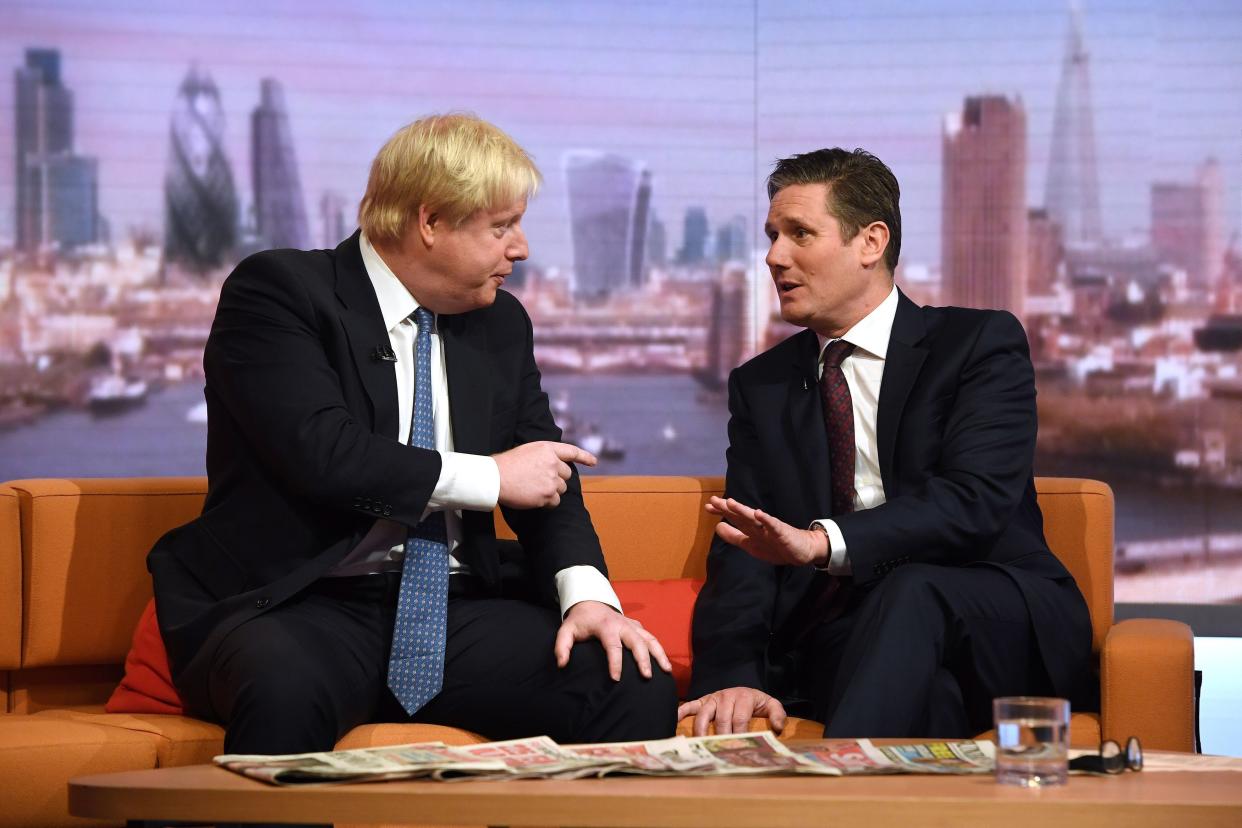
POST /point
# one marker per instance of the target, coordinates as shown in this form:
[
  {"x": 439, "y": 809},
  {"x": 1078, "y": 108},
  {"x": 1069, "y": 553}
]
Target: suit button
[{"x": 262, "y": 603}]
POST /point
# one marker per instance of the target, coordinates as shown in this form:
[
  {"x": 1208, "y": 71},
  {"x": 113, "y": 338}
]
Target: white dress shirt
[
  {"x": 864, "y": 372},
  {"x": 467, "y": 481}
]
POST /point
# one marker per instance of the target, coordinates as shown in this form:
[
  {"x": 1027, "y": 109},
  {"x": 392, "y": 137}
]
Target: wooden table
[{"x": 1133, "y": 800}]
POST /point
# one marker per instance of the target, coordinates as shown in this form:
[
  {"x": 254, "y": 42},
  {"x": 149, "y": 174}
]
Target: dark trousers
[
  {"x": 922, "y": 652},
  {"x": 299, "y": 677}
]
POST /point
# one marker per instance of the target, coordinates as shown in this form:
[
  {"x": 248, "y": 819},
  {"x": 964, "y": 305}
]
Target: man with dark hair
[{"x": 880, "y": 564}]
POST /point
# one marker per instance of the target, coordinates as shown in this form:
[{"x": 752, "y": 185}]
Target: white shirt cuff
[
  {"x": 575, "y": 584},
  {"x": 467, "y": 481},
  {"x": 838, "y": 562}
]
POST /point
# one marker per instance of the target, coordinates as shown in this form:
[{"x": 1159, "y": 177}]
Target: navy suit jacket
[
  {"x": 303, "y": 456},
  {"x": 956, "y": 427}
]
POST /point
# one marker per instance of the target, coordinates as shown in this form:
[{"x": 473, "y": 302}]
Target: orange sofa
[{"x": 73, "y": 584}]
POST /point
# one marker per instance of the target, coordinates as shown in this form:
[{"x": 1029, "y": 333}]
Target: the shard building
[
  {"x": 200, "y": 201},
  {"x": 1073, "y": 194}
]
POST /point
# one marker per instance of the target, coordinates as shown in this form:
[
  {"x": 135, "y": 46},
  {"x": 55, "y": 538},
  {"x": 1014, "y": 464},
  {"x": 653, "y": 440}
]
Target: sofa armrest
[
  {"x": 1147, "y": 684},
  {"x": 10, "y": 588}
]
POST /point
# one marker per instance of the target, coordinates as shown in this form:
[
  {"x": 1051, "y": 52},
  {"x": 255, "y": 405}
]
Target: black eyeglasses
[{"x": 1111, "y": 759}]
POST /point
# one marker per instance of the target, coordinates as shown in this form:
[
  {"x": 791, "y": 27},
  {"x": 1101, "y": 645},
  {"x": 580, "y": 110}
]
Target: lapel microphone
[{"x": 383, "y": 353}]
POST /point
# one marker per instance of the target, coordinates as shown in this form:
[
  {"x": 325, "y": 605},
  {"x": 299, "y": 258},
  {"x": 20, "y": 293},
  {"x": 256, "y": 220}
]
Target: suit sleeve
[
  {"x": 733, "y": 614},
  {"x": 983, "y": 466},
  {"x": 555, "y": 538},
  {"x": 266, "y": 362}
]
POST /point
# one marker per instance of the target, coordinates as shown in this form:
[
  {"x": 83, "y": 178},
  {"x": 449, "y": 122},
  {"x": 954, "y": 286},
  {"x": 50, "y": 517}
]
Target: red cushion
[
  {"x": 664, "y": 608},
  {"x": 147, "y": 684}
]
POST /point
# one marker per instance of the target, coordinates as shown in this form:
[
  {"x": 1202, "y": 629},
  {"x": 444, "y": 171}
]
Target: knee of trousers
[
  {"x": 276, "y": 697},
  {"x": 656, "y": 693},
  {"x": 632, "y": 684},
  {"x": 909, "y": 592},
  {"x": 647, "y": 706}
]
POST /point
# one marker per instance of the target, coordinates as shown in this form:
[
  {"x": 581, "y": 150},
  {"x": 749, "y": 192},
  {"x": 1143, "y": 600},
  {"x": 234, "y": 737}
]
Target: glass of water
[{"x": 1032, "y": 740}]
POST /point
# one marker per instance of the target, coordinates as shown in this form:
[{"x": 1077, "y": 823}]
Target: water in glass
[{"x": 1031, "y": 752}]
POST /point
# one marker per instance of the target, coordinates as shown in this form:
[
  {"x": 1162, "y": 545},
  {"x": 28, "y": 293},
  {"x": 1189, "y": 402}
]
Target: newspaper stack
[{"x": 541, "y": 758}]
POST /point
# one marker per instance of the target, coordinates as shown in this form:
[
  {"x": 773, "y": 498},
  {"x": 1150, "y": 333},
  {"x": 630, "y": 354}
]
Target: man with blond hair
[{"x": 368, "y": 408}]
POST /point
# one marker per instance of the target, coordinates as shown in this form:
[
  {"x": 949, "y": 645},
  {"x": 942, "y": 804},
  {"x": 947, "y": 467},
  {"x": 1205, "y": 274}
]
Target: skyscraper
[
  {"x": 984, "y": 247},
  {"x": 657, "y": 241},
  {"x": 70, "y": 183},
  {"x": 609, "y": 200},
  {"x": 732, "y": 240},
  {"x": 640, "y": 228},
  {"x": 200, "y": 202},
  {"x": 1073, "y": 193},
  {"x": 280, "y": 212},
  {"x": 1187, "y": 225},
  {"x": 1044, "y": 252},
  {"x": 57, "y": 191},
  {"x": 332, "y": 219},
  {"x": 1212, "y": 184},
  {"x": 693, "y": 237}
]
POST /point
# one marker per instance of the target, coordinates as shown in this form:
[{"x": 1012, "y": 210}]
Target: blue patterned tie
[{"x": 416, "y": 663}]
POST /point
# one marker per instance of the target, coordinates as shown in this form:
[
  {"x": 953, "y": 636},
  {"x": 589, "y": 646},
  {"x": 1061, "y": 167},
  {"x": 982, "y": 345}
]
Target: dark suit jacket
[
  {"x": 955, "y": 429},
  {"x": 303, "y": 455}
]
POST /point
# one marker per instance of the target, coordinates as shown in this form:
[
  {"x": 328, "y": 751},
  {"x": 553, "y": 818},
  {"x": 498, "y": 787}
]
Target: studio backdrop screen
[{"x": 1077, "y": 165}]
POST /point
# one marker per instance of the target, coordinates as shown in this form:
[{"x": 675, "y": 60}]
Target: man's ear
[
  {"x": 874, "y": 243},
  {"x": 429, "y": 225}
]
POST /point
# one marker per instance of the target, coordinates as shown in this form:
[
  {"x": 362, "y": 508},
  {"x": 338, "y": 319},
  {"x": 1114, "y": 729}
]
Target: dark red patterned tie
[
  {"x": 826, "y": 595},
  {"x": 839, "y": 424}
]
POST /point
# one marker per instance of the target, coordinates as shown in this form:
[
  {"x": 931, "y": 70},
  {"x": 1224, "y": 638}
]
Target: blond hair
[{"x": 455, "y": 164}]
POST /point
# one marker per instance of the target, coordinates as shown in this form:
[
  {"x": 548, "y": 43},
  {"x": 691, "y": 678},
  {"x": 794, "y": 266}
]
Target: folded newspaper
[{"x": 541, "y": 758}]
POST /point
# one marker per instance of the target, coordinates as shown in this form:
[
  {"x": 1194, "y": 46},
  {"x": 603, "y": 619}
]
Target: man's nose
[
  {"x": 777, "y": 258},
  {"x": 518, "y": 250}
]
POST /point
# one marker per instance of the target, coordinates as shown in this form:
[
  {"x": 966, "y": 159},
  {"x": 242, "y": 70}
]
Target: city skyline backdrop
[
  {"x": 204, "y": 133},
  {"x": 705, "y": 95}
]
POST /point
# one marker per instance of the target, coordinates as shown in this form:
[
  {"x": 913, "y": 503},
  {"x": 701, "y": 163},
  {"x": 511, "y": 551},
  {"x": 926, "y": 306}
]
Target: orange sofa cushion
[
  {"x": 663, "y": 607},
  {"x": 147, "y": 685},
  {"x": 39, "y": 754}
]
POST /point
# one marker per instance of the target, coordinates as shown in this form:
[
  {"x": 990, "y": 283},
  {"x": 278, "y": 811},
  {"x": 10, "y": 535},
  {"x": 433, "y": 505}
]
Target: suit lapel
[
  {"x": 468, "y": 372},
  {"x": 364, "y": 328},
  {"x": 901, "y": 368},
  {"x": 806, "y": 424}
]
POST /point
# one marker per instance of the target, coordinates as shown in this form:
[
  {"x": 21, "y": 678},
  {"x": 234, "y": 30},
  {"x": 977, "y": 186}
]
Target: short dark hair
[{"x": 861, "y": 189}]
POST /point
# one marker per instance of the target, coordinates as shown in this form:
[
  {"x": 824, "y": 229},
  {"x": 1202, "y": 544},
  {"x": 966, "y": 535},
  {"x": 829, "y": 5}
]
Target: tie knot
[
  {"x": 424, "y": 319},
  {"x": 836, "y": 352}
]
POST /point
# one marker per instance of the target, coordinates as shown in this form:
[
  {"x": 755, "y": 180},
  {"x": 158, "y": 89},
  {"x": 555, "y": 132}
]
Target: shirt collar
[
  {"x": 396, "y": 302},
  {"x": 872, "y": 332}
]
